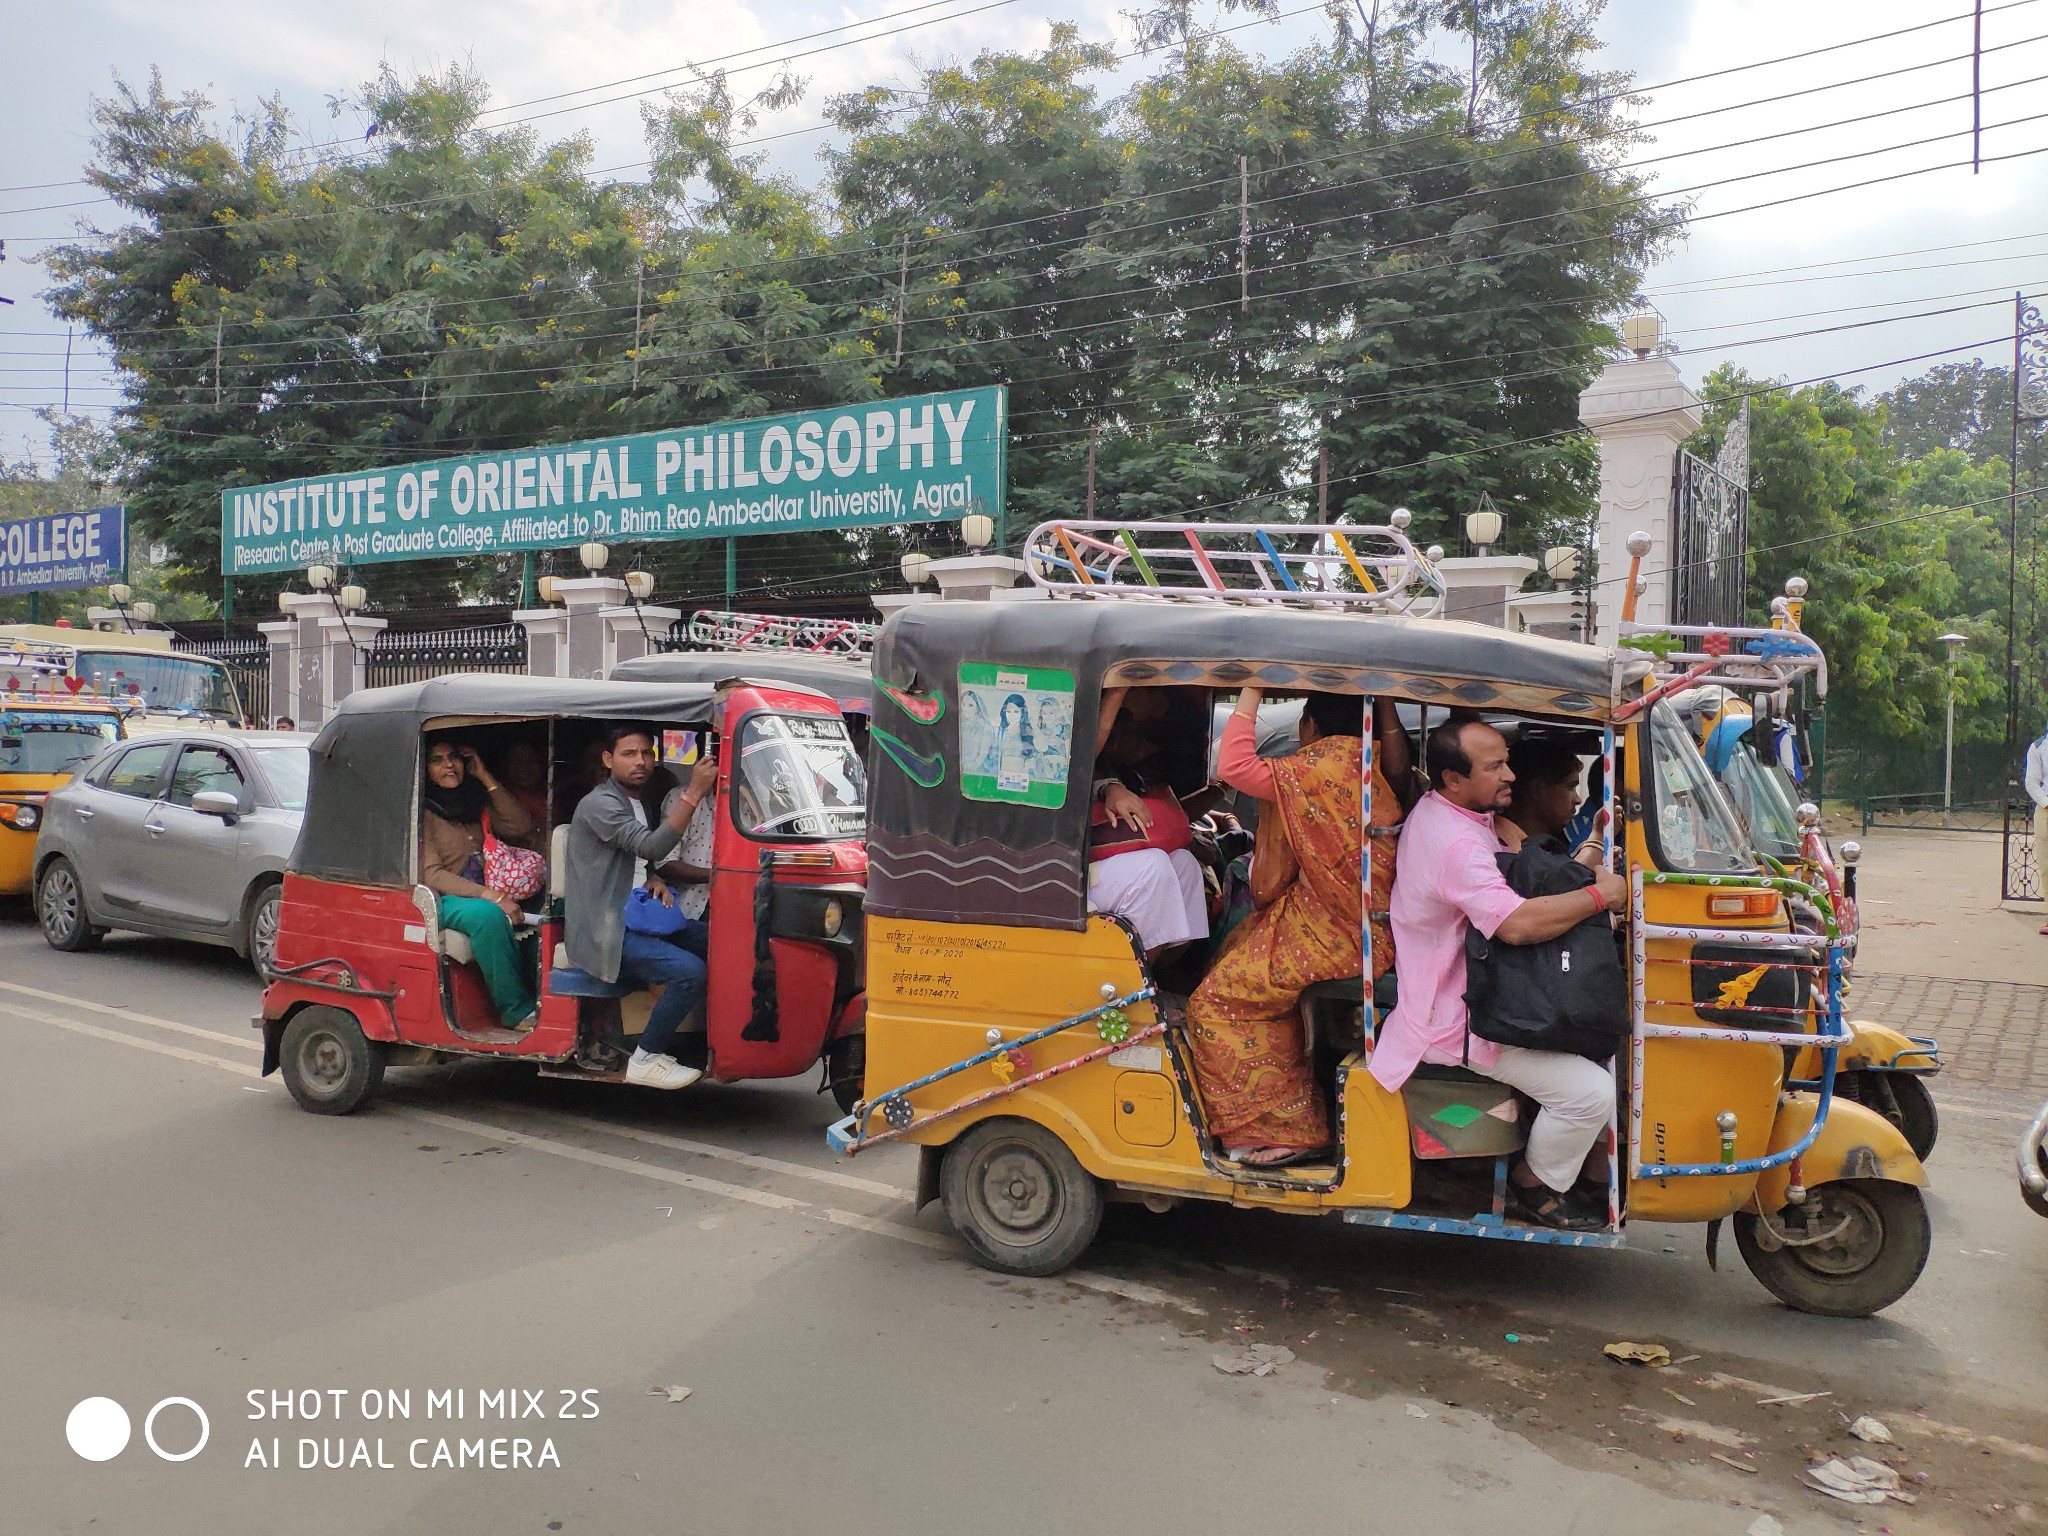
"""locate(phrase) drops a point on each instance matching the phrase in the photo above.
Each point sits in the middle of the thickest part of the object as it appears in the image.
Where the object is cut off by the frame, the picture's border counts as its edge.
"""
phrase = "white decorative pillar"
(547, 640)
(975, 577)
(635, 630)
(1477, 587)
(347, 647)
(283, 635)
(1640, 410)
(584, 601)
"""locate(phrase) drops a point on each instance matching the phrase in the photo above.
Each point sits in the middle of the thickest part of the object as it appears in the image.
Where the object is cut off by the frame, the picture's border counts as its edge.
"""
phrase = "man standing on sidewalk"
(612, 845)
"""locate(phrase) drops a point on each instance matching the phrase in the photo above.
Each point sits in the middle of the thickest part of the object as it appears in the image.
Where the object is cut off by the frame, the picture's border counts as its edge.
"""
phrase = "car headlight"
(835, 915)
(27, 817)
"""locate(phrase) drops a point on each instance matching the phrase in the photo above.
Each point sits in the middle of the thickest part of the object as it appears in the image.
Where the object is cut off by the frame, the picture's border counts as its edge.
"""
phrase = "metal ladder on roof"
(720, 630)
(1335, 567)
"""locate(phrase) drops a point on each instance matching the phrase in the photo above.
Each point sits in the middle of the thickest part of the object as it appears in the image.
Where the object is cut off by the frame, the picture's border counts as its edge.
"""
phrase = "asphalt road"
(173, 1226)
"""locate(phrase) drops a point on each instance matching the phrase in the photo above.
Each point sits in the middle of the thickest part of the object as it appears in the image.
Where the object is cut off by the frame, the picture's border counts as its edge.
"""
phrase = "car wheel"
(260, 930)
(60, 907)
(328, 1064)
(1018, 1197)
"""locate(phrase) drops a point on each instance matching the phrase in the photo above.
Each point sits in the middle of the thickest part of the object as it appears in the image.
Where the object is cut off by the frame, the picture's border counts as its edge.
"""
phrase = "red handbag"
(516, 872)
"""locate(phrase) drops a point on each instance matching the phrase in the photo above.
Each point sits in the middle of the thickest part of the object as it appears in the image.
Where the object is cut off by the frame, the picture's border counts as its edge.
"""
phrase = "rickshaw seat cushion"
(567, 981)
(456, 947)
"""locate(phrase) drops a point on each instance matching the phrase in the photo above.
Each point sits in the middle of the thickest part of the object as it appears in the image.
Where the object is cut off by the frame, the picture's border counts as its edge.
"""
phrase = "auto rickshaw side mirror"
(218, 802)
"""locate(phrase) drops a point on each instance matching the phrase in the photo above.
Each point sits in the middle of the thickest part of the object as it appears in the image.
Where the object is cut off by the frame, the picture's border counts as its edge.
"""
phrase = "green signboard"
(920, 459)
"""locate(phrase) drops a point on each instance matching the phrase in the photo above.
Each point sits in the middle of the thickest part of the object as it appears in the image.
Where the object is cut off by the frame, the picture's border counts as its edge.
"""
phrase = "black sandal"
(1547, 1208)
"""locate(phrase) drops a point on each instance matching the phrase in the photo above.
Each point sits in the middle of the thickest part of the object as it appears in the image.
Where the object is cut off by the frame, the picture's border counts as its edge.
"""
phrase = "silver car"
(184, 834)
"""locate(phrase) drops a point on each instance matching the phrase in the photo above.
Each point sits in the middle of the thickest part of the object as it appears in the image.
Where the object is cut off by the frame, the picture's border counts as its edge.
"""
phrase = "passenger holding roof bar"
(1244, 1023)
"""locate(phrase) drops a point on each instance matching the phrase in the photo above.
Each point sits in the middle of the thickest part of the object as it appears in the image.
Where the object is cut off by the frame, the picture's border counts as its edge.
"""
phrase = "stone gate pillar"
(1640, 410)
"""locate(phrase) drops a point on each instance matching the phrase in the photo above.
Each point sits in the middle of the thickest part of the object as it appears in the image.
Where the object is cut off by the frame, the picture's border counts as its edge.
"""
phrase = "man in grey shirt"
(612, 847)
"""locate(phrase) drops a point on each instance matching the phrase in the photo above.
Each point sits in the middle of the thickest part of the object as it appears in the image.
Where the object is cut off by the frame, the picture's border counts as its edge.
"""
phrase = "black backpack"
(1564, 994)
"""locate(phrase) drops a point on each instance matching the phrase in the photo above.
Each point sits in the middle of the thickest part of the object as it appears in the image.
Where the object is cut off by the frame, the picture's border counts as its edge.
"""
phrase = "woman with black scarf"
(456, 792)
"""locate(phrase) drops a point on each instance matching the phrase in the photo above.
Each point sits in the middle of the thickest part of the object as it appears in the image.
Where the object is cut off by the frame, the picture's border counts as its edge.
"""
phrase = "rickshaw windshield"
(1695, 830)
(52, 743)
(1758, 794)
(798, 776)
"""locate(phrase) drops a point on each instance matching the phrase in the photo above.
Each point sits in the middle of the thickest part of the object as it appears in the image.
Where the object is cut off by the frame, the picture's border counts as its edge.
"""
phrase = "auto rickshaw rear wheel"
(1019, 1198)
(846, 1062)
(329, 1065)
(1874, 1239)
(60, 908)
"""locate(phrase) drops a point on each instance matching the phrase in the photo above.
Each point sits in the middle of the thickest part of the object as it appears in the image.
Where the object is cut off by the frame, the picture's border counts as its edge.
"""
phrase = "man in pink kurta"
(1447, 877)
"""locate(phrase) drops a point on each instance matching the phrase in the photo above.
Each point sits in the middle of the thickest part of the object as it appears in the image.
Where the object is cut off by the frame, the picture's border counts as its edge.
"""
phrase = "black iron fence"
(413, 656)
(247, 659)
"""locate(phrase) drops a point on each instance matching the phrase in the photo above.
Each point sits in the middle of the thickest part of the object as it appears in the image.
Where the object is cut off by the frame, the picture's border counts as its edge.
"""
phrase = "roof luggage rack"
(718, 630)
(1359, 567)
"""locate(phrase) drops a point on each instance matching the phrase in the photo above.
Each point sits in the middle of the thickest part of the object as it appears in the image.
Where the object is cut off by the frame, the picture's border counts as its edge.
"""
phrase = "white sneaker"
(659, 1071)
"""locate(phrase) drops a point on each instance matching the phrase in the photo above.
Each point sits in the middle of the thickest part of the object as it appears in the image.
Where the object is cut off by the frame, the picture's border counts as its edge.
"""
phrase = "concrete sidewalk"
(1940, 955)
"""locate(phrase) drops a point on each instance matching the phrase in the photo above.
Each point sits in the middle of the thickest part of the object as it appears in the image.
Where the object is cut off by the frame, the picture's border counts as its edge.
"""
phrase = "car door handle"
(155, 828)
(82, 813)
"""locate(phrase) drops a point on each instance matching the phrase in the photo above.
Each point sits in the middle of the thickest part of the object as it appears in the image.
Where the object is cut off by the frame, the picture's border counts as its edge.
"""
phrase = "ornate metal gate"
(1709, 543)
(415, 655)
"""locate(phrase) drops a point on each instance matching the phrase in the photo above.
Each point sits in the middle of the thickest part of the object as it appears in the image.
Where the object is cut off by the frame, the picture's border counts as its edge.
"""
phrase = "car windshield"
(52, 743)
(191, 684)
(798, 776)
(286, 769)
(1696, 831)
(1757, 791)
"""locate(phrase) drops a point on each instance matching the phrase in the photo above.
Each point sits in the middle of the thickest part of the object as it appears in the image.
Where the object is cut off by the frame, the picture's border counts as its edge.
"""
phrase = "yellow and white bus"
(170, 689)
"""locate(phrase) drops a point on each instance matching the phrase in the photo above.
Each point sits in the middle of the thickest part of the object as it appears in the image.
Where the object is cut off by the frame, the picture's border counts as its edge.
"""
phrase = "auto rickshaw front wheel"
(328, 1064)
(1857, 1248)
(1019, 1198)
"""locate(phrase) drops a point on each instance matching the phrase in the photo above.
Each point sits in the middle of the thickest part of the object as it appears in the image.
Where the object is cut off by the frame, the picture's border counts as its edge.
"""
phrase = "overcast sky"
(1854, 268)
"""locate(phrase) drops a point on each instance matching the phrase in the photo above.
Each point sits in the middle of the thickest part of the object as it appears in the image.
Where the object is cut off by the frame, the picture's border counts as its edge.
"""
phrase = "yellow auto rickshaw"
(47, 732)
(1745, 705)
(1012, 1032)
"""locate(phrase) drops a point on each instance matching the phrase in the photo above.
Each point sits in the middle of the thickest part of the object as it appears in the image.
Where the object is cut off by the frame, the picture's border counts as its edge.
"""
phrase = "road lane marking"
(617, 1164)
(893, 1229)
(726, 1154)
(130, 1015)
(240, 1068)
(1131, 1290)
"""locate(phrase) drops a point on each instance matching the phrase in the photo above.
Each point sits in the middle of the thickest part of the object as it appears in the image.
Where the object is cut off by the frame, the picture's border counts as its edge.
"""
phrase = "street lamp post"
(1955, 643)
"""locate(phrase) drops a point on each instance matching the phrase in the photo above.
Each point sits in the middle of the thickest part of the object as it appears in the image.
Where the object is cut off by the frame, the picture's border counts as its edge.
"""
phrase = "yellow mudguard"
(1856, 1143)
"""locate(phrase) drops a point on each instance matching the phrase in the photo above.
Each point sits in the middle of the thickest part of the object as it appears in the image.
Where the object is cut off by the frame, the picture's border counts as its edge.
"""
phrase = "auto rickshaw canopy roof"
(971, 818)
(848, 684)
(362, 820)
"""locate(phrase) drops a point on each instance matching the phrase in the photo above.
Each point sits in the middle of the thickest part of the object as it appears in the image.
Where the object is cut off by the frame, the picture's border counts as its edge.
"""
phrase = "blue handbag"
(650, 915)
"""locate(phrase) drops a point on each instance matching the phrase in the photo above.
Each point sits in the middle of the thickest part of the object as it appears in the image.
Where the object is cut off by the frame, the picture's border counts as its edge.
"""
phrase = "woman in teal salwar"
(455, 795)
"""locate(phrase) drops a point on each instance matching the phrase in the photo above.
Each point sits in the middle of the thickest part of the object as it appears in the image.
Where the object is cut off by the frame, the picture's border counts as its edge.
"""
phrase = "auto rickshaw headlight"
(834, 916)
(26, 817)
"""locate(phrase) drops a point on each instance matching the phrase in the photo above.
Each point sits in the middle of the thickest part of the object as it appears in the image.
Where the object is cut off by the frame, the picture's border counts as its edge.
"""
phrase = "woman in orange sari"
(1244, 1023)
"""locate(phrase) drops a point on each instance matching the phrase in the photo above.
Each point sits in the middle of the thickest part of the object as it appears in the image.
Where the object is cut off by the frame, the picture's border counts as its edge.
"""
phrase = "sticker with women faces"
(1016, 733)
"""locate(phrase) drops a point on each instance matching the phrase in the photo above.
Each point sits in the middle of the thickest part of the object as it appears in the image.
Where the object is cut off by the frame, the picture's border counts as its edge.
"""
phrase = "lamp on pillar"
(639, 588)
(1561, 564)
(916, 566)
(319, 577)
(977, 529)
(145, 610)
(120, 594)
(544, 589)
(594, 556)
(1641, 332)
(1483, 525)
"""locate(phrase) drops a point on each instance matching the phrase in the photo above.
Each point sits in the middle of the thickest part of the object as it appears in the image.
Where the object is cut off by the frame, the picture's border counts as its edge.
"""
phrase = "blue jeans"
(677, 963)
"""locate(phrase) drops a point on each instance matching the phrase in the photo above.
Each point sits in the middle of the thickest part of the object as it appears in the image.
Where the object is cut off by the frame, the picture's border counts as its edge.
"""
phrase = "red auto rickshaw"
(366, 977)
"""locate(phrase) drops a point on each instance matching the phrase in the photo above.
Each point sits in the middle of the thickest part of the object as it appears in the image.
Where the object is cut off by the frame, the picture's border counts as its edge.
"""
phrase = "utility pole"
(218, 321)
(639, 295)
(902, 282)
(1092, 429)
(1244, 236)
(68, 332)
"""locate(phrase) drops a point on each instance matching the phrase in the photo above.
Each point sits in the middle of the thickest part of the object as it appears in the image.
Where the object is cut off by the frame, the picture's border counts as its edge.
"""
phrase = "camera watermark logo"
(99, 1429)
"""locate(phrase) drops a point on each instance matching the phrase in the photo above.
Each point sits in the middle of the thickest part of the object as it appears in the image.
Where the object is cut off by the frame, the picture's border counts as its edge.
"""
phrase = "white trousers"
(1159, 894)
(1574, 1097)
